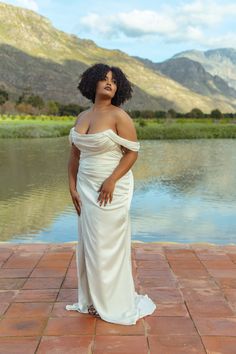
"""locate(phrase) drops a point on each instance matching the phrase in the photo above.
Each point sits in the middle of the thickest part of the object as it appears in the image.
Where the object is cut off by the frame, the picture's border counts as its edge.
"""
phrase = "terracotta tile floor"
(193, 285)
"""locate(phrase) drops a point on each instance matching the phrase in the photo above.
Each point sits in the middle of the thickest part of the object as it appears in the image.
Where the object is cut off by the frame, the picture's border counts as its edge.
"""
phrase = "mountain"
(221, 62)
(35, 54)
(192, 75)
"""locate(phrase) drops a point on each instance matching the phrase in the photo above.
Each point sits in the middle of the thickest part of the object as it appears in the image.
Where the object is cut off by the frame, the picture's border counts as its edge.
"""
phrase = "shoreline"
(132, 241)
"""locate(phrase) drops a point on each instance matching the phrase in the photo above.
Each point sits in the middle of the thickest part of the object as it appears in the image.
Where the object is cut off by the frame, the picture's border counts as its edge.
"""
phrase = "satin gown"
(103, 253)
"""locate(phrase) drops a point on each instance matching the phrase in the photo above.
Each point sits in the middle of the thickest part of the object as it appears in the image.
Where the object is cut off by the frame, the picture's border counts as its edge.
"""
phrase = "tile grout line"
(210, 276)
(186, 304)
(94, 338)
(146, 335)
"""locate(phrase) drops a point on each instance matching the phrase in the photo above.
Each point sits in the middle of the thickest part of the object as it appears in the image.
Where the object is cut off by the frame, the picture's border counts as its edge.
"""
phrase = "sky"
(152, 29)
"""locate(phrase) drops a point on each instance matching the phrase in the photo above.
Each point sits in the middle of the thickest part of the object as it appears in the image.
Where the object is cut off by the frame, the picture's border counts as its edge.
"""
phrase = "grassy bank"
(43, 127)
(187, 131)
(34, 129)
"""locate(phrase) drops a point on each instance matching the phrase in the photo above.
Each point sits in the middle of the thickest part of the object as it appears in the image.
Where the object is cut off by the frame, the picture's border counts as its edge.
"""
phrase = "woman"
(104, 147)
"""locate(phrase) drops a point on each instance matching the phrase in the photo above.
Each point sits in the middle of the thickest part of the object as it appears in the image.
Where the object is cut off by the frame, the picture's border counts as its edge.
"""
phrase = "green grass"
(44, 126)
(186, 131)
(35, 127)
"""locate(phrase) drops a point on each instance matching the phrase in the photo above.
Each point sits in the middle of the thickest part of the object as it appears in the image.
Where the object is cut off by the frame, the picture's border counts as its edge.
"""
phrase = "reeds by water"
(51, 126)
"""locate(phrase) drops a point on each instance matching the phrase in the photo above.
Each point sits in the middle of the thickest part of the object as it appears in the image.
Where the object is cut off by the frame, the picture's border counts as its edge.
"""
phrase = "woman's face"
(107, 86)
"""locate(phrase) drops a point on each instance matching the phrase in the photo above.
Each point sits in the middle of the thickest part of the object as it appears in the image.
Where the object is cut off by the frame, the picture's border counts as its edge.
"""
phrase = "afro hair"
(90, 77)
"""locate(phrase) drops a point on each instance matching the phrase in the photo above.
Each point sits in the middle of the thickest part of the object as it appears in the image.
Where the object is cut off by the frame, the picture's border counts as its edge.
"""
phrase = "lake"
(185, 191)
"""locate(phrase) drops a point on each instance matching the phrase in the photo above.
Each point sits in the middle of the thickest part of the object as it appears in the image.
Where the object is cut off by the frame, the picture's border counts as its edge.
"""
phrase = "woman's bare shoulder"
(125, 125)
(122, 117)
(81, 116)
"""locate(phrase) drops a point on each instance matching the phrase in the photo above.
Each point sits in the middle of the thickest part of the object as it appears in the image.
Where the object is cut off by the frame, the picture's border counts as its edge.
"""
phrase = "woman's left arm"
(126, 129)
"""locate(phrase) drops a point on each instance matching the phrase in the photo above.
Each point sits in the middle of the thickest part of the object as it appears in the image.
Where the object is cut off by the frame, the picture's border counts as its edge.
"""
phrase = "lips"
(107, 88)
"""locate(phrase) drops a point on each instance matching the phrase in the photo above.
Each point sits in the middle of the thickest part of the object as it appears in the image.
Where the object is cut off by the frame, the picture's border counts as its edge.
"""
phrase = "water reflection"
(184, 191)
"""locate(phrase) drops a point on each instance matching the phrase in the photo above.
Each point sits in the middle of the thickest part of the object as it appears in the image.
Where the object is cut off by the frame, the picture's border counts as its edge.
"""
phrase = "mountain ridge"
(192, 75)
(220, 61)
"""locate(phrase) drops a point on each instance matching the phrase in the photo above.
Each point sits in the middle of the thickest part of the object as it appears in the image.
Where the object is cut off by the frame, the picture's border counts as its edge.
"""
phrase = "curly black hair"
(90, 77)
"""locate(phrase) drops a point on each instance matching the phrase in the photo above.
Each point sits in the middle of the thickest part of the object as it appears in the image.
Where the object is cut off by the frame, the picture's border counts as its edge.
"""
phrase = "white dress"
(103, 254)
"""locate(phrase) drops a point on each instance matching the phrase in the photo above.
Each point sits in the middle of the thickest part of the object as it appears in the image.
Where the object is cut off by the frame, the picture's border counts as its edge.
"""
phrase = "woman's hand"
(106, 191)
(76, 201)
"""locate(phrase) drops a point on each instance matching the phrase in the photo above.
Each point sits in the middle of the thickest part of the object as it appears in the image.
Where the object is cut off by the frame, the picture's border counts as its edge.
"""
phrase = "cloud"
(132, 24)
(208, 12)
(194, 22)
(27, 4)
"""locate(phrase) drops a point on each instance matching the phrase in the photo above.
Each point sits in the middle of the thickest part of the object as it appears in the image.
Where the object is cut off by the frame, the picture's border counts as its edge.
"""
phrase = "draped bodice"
(100, 152)
(106, 143)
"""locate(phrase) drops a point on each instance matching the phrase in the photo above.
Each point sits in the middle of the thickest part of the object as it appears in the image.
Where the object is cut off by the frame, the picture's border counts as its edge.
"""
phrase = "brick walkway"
(193, 285)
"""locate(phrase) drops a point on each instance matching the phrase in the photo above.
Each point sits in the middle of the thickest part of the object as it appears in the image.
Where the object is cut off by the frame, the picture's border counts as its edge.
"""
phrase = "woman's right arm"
(73, 167)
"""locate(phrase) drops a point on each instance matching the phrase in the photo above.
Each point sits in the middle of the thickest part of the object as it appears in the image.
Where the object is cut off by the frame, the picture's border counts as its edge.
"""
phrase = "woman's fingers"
(77, 207)
(77, 203)
(104, 198)
(101, 197)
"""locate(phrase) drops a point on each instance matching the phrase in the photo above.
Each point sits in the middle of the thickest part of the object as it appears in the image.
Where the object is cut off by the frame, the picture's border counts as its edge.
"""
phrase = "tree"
(24, 96)
(196, 113)
(26, 108)
(8, 108)
(216, 114)
(160, 114)
(52, 108)
(71, 109)
(134, 113)
(35, 101)
(147, 113)
(3, 96)
(171, 113)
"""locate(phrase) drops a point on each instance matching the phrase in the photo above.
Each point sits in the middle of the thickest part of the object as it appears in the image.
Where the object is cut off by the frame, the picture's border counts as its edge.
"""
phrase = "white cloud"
(208, 12)
(146, 22)
(29, 4)
(132, 24)
(96, 24)
(193, 22)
